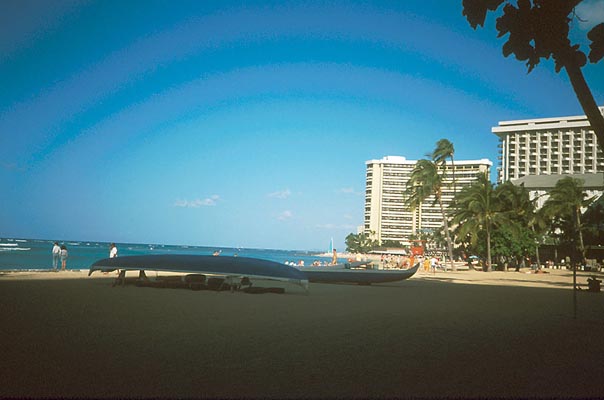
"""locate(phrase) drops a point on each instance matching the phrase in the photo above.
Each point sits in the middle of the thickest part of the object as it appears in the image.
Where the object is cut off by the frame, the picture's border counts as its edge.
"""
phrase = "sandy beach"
(449, 334)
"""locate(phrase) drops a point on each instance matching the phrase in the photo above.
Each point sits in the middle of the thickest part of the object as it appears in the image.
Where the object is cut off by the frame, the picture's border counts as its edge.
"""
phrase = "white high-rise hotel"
(386, 181)
(539, 152)
(534, 152)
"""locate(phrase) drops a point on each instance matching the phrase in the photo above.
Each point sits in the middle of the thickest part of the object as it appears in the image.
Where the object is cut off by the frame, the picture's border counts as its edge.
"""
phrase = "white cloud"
(591, 13)
(207, 202)
(14, 167)
(334, 226)
(281, 194)
(348, 190)
(285, 215)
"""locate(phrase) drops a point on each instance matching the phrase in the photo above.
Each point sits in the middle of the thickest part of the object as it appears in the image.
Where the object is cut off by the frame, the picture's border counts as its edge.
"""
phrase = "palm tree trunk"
(489, 269)
(536, 249)
(447, 234)
(586, 99)
(581, 244)
(453, 176)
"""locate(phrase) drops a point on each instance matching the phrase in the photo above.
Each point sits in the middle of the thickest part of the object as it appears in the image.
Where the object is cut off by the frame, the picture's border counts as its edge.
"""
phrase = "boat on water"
(356, 272)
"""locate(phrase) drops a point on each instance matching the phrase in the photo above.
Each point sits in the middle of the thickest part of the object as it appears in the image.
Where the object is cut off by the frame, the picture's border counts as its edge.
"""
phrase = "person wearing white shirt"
(433, 263)
(56, 254)
(112, 251)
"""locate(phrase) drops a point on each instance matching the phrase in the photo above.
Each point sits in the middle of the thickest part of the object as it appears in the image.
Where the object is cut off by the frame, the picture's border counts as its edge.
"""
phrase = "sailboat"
(330, 251)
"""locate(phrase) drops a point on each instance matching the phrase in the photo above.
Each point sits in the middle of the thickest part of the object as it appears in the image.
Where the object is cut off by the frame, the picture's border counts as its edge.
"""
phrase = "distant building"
(539, 152)
(386, 181)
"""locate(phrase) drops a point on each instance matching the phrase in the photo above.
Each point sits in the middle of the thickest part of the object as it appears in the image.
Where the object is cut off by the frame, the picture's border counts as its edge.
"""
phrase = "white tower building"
(539, 152)
(386, 181)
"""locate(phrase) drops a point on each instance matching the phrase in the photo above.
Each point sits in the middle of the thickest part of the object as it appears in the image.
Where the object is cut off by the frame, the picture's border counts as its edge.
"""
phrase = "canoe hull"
(360, 276)
(198, 264)
(251, 268)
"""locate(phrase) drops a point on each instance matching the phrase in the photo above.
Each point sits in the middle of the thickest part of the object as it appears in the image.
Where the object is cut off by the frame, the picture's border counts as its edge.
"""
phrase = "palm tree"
(477, 208)
(360, 243)
(538, 224)
(564, 203)
(593, 222)
(516, 202)
(424, 182)
(444, 149)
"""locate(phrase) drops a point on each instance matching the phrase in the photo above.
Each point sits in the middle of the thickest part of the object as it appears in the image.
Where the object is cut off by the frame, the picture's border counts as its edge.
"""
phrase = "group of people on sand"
(391, 261)
(60, 253)
(429, 263)
(397, 261)
(316, 263)
(301, 263)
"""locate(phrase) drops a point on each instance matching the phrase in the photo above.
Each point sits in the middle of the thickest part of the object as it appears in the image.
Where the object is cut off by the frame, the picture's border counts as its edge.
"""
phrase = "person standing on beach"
(112, 250)
(56, 254)
(64, 256)
(433, 263)
(113, 253)
(334, 258)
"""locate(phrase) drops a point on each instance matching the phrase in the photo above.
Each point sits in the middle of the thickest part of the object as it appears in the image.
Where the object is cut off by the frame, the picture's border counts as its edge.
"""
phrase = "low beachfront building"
(539, 152)
(386, 215)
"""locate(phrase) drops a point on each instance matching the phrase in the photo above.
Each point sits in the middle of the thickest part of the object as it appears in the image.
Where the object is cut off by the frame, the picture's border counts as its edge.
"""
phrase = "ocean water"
(35, 254)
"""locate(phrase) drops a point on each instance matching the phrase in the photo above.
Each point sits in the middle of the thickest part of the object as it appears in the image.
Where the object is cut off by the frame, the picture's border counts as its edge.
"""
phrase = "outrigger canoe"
(350, 273)
(234, 268)
(229, 267)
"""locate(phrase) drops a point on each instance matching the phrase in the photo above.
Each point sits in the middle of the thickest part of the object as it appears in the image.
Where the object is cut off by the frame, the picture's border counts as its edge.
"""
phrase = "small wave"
(20, 240)
(17, 270)
(14, 248)
(8, 244)
(73, 244)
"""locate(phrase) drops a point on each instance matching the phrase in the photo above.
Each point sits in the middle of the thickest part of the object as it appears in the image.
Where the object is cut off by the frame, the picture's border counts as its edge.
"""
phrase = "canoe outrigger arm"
(231, 280)
(121, 278)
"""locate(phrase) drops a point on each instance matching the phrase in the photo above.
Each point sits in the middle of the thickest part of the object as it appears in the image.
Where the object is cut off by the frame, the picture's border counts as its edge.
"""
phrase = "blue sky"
(242, 123)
